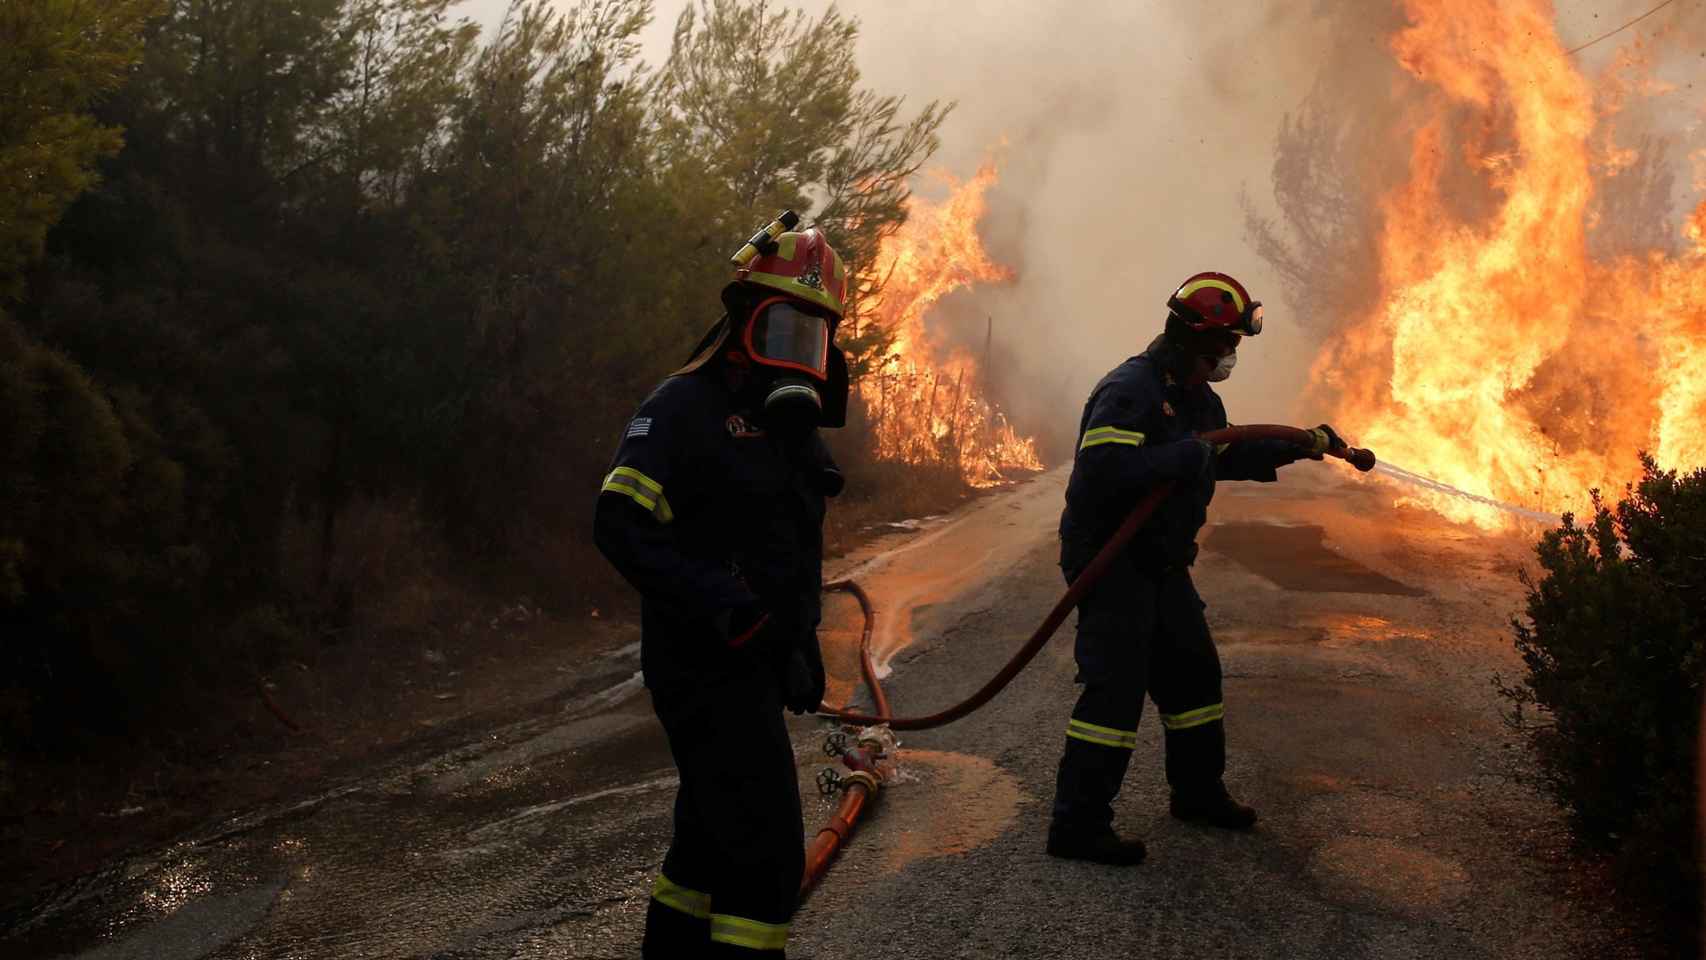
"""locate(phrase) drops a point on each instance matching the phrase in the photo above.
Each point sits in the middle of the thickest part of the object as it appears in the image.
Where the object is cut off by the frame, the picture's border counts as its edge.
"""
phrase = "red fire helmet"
(804, 266)
(1215, 301)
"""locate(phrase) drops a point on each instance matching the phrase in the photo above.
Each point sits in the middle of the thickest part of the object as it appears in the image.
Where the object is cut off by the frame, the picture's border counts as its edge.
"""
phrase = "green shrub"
(1613, 644)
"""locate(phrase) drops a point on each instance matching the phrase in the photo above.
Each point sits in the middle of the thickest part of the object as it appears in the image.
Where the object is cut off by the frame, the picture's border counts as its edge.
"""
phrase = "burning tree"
(1515, 339)
(926, 400)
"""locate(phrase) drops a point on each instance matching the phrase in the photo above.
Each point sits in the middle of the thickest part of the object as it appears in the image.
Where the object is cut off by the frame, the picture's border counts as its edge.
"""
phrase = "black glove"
(803, 679)
(1326, 438)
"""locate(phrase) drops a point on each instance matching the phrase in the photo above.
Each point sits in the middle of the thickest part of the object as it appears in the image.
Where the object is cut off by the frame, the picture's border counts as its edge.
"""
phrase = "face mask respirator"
(1223, 369)
(792, 346)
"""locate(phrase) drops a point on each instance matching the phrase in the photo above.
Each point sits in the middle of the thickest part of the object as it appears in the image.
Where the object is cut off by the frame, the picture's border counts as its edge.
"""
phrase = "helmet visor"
(783, 335)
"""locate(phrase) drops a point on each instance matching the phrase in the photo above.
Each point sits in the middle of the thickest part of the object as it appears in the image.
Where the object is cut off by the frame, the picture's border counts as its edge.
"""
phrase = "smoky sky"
(1125, 133)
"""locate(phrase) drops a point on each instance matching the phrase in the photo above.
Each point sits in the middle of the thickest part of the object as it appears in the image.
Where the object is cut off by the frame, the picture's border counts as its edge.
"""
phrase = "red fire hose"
(865, 779)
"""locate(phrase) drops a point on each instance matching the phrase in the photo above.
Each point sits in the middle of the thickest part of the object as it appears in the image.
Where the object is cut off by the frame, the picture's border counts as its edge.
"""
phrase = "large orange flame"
(926, 400)
(1503, 359)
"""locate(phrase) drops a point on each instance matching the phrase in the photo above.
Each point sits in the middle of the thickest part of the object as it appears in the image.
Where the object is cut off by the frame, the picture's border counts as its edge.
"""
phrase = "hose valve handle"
(828, 781)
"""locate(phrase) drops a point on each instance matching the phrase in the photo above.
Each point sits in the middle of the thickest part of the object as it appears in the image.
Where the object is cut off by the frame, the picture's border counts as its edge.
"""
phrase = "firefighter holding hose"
(713, 509)
(1141, 627)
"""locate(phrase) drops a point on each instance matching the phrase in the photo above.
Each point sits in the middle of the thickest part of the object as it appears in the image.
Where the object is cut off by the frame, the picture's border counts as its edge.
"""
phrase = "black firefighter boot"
(1100, 846)
(1212, 806)
(1088, 781)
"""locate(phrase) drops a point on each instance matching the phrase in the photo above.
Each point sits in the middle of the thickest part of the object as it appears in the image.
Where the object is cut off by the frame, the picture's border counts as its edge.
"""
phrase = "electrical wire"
(1571, 53)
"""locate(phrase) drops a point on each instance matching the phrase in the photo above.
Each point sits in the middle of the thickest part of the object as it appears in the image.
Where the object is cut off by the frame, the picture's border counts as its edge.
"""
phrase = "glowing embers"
(1503, 358)
(926, 401)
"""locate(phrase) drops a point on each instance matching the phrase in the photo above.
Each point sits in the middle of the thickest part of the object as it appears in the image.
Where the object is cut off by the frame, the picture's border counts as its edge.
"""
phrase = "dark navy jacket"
(703, 512)
(1136, 432)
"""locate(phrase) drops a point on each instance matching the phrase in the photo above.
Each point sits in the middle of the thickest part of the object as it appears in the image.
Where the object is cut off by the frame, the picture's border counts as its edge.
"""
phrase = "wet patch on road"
(535, 820)
(906, 580)
(1365, 814)
(843, 626)
(200, 927)
(1296, 558)
(1388, 875)
(1316, 782)
(1331, 630)
(945, 804)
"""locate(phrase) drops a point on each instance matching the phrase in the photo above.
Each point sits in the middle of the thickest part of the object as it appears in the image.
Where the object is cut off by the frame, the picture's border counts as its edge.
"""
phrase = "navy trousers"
(731, 879)
(1139, 633)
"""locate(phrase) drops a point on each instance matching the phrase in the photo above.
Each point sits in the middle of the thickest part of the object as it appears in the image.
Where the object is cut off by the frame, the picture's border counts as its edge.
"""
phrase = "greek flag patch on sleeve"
(639, 427)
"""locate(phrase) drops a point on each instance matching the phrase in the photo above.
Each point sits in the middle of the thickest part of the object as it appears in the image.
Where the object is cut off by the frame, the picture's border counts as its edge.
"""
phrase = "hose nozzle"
(1362, 459)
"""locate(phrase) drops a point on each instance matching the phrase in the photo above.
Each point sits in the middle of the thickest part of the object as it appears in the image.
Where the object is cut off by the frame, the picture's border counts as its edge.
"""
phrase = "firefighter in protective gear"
(713, 509)
(1141, 628)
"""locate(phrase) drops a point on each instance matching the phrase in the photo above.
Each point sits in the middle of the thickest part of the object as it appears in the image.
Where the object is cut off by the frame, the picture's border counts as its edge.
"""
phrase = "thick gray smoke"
(1124, 134)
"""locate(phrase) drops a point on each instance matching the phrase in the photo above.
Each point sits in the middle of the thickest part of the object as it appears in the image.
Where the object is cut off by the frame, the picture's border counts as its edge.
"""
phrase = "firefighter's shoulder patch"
(639, 427)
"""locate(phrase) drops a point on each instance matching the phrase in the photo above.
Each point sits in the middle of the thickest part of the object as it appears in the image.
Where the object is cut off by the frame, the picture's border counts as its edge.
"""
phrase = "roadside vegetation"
(1615, 646)
(319, 320)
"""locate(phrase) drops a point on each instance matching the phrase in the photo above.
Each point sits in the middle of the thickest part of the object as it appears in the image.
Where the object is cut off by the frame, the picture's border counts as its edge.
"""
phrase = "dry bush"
(881, 491)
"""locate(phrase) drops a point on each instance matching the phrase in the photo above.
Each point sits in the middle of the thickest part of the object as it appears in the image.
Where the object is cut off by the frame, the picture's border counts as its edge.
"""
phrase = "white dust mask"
(1223, 369)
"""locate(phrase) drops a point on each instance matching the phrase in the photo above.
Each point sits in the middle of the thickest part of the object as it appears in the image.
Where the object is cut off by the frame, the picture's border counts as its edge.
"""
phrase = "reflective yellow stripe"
(642, 489)
(1110, 435)
(1105, 736)
(1194, 718)
(1190, 288)
(1101, 440)
(1099, 740)
(677, 897)
(645, 481)
(627, 489)
(1221, 448)
(741, 932)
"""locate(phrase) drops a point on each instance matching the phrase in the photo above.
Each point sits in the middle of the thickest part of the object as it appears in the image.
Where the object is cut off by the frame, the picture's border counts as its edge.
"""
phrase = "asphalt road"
(1359, 641)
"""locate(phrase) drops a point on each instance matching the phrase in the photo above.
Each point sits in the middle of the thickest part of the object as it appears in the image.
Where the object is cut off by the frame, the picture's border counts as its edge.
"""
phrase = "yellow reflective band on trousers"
(741, 932)
(1105, 736)
(677, 897)
(1194, 718)
(1102, 435)
(642, 489)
